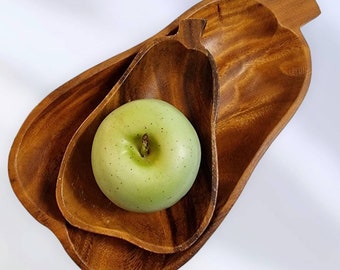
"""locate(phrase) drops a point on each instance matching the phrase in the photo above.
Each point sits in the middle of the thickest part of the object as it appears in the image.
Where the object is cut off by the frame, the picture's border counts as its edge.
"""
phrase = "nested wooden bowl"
(178, 70)
(263, 67)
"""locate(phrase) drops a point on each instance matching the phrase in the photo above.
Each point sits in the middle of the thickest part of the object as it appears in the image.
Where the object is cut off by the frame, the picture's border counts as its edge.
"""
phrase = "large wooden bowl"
(263, 65)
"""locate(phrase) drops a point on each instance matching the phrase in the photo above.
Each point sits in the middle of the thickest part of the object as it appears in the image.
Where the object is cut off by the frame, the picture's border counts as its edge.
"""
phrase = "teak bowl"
(176, 69)
(264, 69)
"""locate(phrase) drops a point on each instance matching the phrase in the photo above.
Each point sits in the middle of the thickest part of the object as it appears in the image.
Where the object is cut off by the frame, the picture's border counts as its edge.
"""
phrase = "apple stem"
(145, 149)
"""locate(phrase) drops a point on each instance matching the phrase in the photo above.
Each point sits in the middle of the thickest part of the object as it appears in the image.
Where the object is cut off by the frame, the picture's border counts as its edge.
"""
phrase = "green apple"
(145, 155)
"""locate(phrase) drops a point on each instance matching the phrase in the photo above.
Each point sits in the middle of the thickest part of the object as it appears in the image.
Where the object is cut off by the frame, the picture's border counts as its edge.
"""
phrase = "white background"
(288, 216)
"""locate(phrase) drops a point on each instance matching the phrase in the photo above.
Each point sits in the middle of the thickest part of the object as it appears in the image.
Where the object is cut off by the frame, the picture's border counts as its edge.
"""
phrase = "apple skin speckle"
(157, 180)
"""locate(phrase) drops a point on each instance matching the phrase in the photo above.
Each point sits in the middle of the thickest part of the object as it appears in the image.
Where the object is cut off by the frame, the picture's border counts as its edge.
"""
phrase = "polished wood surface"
(263, 66)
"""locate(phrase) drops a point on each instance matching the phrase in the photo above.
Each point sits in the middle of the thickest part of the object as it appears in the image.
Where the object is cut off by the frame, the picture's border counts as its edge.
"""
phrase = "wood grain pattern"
(176, 69)
(264, 70)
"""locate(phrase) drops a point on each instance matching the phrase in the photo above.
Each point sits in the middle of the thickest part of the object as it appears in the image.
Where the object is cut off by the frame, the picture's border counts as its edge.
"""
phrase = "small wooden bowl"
(180, 71)
(264, 70)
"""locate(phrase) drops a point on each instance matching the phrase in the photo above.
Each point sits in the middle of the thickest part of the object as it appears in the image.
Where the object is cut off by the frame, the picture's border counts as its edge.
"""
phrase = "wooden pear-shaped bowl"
(176, 69)
(264, 69)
